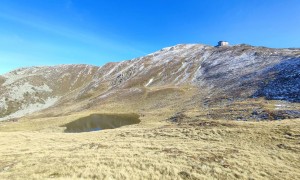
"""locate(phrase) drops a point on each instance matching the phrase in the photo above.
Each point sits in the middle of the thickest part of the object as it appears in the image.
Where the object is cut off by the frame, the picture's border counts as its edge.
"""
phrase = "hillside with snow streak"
(231, 72)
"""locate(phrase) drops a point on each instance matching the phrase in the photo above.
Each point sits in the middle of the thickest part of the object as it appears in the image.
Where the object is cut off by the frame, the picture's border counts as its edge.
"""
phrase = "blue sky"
(50, 32)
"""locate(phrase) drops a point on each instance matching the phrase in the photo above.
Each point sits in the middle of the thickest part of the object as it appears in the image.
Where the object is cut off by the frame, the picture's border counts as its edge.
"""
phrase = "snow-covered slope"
(27, 90)
(240, 71)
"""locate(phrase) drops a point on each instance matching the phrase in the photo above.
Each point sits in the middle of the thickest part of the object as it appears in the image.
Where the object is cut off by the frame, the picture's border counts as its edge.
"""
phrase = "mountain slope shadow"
(282, 82)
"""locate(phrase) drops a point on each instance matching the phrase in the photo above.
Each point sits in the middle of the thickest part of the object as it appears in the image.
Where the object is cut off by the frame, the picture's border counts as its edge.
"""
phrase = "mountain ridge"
(238, 72)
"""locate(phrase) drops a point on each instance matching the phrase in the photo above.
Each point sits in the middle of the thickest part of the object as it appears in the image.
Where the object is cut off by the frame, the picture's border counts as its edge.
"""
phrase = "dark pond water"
(96, 122)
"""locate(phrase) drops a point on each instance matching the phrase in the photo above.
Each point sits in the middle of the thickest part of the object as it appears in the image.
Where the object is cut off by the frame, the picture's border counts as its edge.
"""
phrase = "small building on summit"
(223, 43)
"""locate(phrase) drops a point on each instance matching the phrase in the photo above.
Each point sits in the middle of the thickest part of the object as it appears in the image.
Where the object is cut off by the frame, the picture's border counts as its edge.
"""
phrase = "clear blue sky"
(49, 32)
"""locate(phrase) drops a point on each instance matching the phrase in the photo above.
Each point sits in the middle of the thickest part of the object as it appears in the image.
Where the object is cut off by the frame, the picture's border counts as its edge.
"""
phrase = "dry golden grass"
(154, 149)
(199, 148)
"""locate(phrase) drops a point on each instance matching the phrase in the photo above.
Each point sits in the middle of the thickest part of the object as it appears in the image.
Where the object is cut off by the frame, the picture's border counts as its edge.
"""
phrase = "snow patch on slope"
(11, 78)
(31, 108)
(3, 104)
(149, 82)
(167, 54)
(17, 92)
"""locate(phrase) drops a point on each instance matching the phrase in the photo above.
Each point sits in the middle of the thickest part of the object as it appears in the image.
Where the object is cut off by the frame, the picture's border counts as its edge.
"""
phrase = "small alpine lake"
(96, 122)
